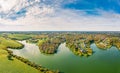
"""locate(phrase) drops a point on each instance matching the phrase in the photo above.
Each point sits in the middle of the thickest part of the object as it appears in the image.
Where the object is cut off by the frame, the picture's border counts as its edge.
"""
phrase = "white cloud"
(6, 5)
(52, 17)
(39, 12)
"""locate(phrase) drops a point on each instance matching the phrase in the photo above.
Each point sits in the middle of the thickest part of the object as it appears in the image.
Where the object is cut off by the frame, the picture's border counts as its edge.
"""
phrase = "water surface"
(102, 61)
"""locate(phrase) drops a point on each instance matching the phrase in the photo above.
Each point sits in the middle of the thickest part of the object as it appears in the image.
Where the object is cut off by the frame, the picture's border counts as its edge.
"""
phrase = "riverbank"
(14, 65)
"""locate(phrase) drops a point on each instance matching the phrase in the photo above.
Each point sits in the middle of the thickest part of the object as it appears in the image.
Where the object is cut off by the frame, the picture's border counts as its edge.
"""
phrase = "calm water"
(102, 61)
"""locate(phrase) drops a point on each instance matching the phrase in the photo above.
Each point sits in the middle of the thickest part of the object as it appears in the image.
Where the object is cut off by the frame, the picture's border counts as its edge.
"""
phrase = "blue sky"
(106, 5)
(57, 15)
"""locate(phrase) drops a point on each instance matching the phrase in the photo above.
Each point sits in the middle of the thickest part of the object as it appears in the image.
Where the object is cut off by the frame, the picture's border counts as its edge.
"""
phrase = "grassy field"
(10, 43)
(13, 66)
(19, 36)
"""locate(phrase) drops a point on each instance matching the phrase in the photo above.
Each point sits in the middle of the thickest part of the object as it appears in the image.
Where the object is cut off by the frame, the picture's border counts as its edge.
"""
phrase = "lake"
(102, 61)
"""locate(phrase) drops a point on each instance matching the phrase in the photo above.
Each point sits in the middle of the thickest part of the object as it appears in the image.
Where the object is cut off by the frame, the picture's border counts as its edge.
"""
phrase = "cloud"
(6, 5)
(44, 15)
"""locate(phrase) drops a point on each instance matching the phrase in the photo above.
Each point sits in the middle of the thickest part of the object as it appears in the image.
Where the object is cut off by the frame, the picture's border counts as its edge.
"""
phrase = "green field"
(19, 36)
(13, 66)
(8, 43)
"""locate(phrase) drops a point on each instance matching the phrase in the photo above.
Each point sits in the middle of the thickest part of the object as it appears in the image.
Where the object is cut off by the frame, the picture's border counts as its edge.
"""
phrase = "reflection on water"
(100, 62)
(28, 51)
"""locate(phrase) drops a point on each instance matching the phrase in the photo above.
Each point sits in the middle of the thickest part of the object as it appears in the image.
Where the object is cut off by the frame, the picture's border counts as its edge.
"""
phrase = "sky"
(59, 15)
